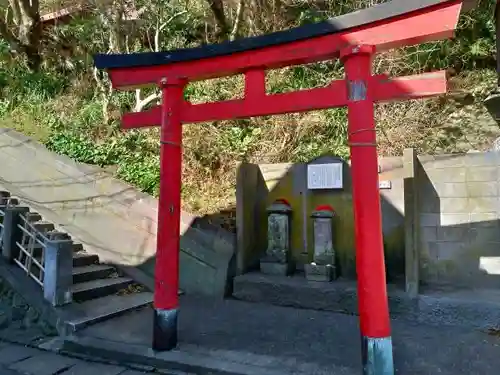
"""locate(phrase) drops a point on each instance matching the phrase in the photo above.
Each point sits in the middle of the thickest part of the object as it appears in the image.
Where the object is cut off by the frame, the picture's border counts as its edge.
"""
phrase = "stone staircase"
(99, 291)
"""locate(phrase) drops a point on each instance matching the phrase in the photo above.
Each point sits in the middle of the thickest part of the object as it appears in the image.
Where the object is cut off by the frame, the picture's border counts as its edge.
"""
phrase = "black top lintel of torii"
(334, 25)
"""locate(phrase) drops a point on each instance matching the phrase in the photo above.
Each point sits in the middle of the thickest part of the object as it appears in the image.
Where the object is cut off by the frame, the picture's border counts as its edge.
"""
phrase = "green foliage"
(18, 84)
(136, 159)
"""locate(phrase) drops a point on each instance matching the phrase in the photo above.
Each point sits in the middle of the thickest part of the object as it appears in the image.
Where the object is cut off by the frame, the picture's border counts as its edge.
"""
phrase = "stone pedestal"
(323, 266)
(277, 259)
(324, 273)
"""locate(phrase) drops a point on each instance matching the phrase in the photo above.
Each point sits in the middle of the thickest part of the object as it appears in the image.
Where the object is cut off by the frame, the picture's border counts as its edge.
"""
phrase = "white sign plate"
(386, 184)
(324, 176)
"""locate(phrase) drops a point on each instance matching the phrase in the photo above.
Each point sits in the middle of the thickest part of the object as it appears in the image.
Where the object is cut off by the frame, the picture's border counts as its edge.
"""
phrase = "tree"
(21, 28)
(226, 30)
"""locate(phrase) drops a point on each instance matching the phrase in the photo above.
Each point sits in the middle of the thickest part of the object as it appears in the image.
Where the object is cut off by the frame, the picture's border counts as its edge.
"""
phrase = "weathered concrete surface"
(246, 338)
(108, 217)
(20, 360)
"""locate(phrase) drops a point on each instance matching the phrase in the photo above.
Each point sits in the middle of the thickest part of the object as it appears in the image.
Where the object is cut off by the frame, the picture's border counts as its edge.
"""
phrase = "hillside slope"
(70, 109)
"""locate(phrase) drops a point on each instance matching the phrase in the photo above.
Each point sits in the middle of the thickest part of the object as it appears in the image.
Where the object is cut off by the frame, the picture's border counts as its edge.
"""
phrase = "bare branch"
(26, 10)
(169, 21)
(16, 11)
(14, 43)
(141, 103)
(239, 18)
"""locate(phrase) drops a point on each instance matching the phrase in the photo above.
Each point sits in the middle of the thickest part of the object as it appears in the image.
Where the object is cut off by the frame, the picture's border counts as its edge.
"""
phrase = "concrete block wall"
(458, 215)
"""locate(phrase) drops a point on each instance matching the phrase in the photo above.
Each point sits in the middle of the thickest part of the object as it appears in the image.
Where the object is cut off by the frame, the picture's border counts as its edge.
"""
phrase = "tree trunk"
(25, 16)
(217, 8)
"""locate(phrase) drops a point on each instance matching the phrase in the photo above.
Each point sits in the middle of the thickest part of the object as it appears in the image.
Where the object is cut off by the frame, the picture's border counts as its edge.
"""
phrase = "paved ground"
(22, 329)
(20, 360)
(318, 342)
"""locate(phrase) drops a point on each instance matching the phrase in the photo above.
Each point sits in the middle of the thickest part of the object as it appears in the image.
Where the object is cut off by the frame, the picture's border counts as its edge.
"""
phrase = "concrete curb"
(176, 359)
(193, 359)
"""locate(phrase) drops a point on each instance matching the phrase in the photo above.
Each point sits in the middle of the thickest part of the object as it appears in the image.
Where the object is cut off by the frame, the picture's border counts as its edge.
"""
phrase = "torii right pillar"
(372, 291)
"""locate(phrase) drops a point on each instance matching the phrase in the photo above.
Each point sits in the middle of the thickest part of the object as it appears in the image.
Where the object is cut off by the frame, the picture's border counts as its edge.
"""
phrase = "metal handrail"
(27, 258)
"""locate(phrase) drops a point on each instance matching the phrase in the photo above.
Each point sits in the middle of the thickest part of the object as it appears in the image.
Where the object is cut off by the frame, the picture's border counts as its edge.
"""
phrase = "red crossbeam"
(334, 95)
(412, 28)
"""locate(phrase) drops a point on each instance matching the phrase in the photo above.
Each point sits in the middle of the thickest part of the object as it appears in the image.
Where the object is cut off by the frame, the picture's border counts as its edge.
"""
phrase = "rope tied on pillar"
(361, 144)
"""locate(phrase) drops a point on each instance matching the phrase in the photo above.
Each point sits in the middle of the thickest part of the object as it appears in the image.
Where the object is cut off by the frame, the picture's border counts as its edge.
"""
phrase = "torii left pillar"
(166, 297)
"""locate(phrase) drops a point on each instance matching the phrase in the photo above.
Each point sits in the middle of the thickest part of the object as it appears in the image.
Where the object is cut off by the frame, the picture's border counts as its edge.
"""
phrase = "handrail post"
(11, 232)
(58, 267)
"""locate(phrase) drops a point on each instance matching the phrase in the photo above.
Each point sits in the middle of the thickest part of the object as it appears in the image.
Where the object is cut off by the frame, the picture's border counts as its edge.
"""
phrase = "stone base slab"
(320, 273)
(278, 269)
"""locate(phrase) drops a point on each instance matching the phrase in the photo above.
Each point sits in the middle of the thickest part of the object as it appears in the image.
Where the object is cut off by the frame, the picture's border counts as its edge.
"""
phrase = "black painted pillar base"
(164, 329)
(377, 356)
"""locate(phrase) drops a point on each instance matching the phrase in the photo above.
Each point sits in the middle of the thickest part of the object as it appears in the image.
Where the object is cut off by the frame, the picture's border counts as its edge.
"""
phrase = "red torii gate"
(355, 38)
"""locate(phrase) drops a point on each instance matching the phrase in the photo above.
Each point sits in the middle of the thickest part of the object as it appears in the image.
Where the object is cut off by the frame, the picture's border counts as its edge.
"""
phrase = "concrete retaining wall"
(458, 216)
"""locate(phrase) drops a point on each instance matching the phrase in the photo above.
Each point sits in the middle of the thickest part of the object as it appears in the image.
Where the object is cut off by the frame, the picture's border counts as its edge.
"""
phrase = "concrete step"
(80, 316)
(81, 259)
(91, 272)
(99, 288)
(77, 247)
(38, 248)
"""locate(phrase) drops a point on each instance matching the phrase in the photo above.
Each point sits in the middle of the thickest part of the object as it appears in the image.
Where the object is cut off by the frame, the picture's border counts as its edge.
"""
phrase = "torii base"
(164, 329)
(377, 356)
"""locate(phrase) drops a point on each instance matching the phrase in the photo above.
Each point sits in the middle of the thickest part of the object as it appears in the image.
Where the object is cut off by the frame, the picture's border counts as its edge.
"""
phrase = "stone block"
(453, 233)
(451, 189)
(429, 220)
(429, 204)
(483, 204)
(279, 269)
(453, 205)
(478, 235)
(446, 219)
(442, 161)
(450, 174)
(425, 252)
(446, 251)
(322, 273)
(482, 159)
(482, 189)
(482, 174)
(429, 233)
(484, 219)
